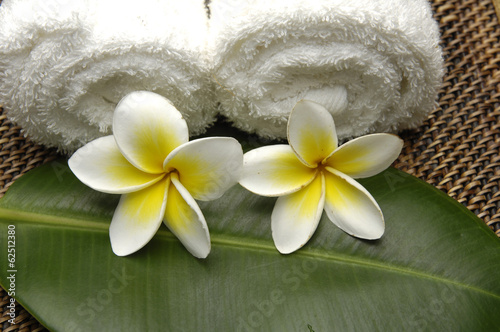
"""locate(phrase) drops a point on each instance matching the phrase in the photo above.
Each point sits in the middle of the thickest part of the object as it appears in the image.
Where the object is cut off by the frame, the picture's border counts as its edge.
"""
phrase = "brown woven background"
(456, 149)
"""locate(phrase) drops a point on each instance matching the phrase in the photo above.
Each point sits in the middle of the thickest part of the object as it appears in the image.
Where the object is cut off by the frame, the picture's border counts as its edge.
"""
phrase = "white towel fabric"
(374, 64)
(64, 64)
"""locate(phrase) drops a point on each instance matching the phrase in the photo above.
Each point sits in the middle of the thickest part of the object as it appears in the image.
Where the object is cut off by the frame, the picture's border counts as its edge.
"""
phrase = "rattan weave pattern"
(18, 154)
(456, 149)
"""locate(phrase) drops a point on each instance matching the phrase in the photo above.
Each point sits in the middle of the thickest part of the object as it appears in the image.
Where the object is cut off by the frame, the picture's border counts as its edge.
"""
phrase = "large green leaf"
(436, 268)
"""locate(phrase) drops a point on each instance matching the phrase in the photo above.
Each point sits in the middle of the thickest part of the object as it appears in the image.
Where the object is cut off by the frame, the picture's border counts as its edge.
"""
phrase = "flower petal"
(207, 167)
(296, 216)
(311, 132)
(351, 207)
(367, 155)
(184, 218)
(147, 127)
(101, 166)
(274, 171)
(137, 218)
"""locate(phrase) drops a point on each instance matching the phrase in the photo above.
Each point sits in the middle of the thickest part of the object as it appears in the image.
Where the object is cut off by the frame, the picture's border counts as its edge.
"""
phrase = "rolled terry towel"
(374, 64)
(65, 64)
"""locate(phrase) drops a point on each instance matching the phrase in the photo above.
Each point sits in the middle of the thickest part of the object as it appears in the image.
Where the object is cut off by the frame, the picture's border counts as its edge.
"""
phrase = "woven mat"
(456, 149)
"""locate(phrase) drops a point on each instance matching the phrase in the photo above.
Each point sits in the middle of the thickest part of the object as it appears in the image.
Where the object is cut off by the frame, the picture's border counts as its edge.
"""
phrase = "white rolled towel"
(374, 64)
(65, 64)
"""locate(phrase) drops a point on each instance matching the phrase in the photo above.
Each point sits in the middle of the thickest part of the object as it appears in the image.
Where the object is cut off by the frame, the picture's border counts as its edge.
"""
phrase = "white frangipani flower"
(150, 161)
(313, 173)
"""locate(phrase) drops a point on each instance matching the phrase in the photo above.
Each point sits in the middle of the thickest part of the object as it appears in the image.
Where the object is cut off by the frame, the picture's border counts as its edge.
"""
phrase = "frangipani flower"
(313, 174)
(149, 160)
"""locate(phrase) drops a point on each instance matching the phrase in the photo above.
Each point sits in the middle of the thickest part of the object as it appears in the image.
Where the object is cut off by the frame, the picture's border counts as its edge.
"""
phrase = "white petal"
(296, 216)
(147, 127)
(367, 155)
(184, 218)
(311, 132)
(101, 166)
(351, 207)
(137, 218)
(274, 171)
(207, 167)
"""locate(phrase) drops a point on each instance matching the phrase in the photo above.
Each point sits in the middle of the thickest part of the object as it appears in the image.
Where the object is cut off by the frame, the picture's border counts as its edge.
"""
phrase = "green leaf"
(437, 267)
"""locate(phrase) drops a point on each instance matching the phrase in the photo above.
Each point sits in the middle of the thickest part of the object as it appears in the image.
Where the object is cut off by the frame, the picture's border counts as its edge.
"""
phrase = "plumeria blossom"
(313, 174)
(159, 172)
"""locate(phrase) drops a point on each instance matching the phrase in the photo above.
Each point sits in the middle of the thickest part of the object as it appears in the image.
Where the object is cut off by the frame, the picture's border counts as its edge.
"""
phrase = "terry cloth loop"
(374, 64)
(65, 64)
